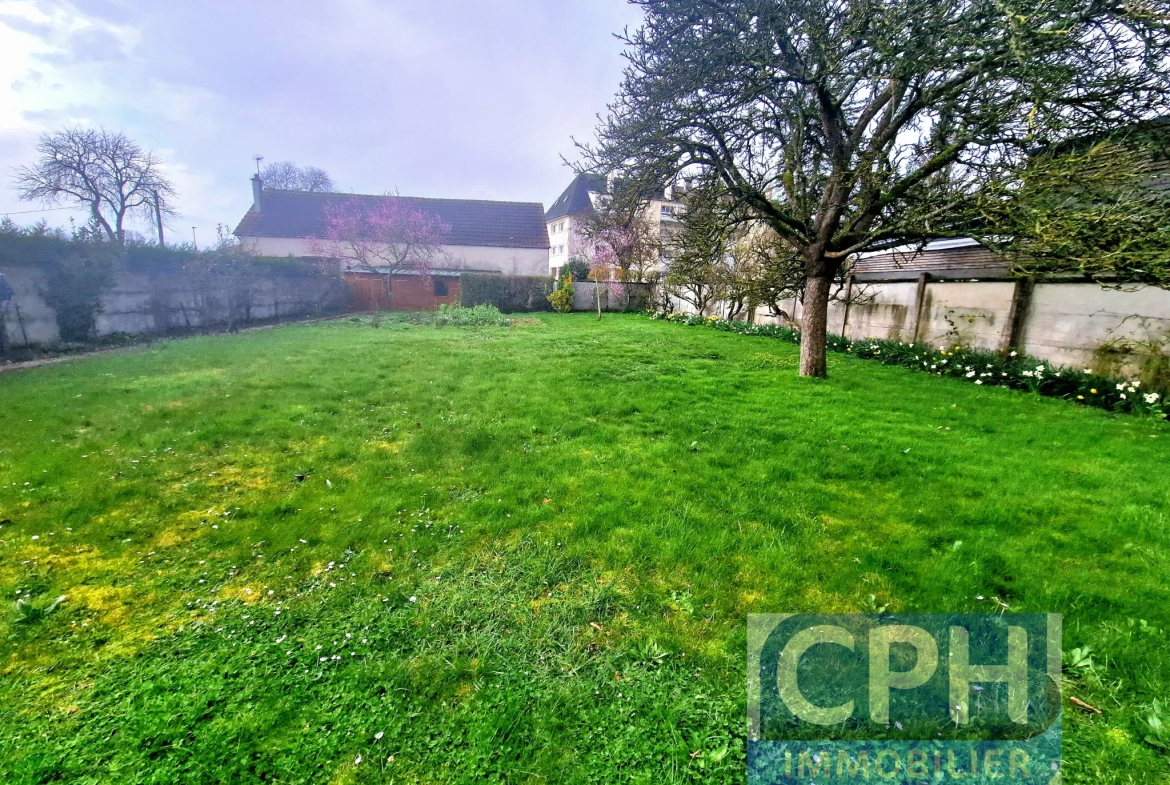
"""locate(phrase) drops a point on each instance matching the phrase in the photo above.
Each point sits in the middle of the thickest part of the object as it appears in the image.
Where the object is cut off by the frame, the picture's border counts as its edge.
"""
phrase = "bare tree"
(287, 176)
(102, 171)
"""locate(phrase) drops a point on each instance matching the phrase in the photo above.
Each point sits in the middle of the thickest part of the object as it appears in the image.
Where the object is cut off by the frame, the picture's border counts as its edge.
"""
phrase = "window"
(440, 288)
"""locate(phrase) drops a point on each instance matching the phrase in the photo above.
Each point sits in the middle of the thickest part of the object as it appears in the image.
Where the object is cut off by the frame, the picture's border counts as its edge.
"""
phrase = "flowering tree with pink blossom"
(385, 235)
(618, 252)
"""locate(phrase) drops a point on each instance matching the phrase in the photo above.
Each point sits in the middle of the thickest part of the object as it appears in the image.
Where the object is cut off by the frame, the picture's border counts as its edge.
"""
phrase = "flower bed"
(978, 366)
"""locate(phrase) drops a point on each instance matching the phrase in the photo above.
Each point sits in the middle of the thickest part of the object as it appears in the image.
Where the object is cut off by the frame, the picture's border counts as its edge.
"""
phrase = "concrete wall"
(967, 313)
(509, 261)
(1120, 326)
(27, 318)
(1070, 324)
(633, 297)
(170, 300)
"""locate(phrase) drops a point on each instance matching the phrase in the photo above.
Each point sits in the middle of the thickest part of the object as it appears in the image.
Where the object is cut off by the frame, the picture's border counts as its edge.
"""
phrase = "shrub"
(476, 316)
(578, 269)
(78, 270)
(980, 367)
(562, 297)
(509, 293)
(74, 284)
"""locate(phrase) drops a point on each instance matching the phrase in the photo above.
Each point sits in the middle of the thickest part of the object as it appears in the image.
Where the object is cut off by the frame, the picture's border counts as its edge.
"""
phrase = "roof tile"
(298, 214)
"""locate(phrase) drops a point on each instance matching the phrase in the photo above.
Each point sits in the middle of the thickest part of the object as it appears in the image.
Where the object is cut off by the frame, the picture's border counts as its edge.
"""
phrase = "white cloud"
(452, 98)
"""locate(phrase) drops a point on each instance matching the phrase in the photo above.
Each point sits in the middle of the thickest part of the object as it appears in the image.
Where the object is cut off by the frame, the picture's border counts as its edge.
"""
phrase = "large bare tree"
(102, 171)
(287, 176)
(847, 124)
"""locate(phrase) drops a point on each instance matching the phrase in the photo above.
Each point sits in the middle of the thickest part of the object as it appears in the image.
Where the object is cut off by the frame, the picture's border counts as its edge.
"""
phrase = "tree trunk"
(814, 327)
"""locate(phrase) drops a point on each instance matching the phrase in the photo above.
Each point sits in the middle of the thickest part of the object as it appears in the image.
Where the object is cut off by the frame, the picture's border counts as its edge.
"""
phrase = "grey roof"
(963, 258)
(575, 200)
(297, 214)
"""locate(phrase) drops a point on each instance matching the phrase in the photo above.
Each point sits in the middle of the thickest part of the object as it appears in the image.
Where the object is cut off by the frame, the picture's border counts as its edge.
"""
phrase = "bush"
(578, 269)
(476, 316)
(980, 367)
(78, 271)
(509, 293)
(562, 297)
(446, 316)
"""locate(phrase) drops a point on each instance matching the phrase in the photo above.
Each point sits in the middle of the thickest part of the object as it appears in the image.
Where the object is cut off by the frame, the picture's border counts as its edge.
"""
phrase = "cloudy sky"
(450, 98)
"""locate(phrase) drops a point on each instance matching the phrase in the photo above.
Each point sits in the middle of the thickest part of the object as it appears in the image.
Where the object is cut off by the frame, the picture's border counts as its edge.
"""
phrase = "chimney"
(257, 191)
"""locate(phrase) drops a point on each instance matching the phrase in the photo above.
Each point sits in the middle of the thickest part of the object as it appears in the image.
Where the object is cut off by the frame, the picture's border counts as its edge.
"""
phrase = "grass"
(526, 554)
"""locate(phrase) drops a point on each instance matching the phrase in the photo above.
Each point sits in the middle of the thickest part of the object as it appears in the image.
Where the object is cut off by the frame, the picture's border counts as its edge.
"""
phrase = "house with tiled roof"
(506, 238)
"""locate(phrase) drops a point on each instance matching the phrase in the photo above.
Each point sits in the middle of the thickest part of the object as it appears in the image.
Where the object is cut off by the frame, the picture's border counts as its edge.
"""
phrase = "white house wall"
(507, 261)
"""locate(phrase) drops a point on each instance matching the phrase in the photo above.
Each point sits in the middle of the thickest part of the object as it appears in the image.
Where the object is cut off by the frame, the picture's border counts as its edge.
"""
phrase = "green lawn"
(527, 554)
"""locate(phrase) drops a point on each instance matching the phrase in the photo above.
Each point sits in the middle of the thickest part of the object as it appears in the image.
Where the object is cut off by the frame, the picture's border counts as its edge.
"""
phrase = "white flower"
(1152, 398)
(378, 736)
(1121, 387)
(1015, 354)
(979, 381)
(1136, 383)
(358, 761)
(970, 374)
(1123, 397)
(414, 599)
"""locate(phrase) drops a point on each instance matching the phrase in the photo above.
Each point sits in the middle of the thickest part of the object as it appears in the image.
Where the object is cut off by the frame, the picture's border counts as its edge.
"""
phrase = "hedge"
(509, 293)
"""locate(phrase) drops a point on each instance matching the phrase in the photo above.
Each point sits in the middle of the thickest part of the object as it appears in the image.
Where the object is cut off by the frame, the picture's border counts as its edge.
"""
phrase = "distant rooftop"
(575, 200)
(296, 214)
